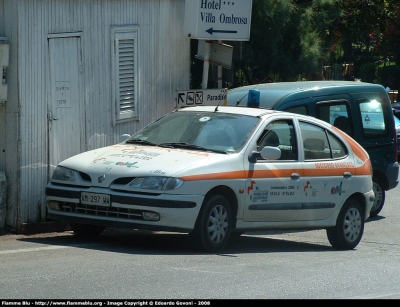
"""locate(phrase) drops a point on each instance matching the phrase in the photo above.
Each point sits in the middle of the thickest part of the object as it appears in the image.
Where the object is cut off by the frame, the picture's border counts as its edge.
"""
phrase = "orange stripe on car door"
(275, 173)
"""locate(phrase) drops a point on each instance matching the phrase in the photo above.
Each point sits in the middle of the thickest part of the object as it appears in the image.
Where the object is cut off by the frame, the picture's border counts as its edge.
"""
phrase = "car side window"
(320, 144)
(338, 149)
(281, 134)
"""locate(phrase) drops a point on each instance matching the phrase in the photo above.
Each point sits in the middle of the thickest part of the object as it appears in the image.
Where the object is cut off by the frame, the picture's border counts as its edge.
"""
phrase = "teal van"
(362, 110)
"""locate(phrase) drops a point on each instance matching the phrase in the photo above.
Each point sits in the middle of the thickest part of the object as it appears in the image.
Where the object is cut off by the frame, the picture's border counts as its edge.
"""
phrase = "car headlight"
(156, 183)
(65, 174)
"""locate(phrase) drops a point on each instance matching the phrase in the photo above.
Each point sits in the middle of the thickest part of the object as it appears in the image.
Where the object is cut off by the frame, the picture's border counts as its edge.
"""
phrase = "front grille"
(122, 213)
(123, 180)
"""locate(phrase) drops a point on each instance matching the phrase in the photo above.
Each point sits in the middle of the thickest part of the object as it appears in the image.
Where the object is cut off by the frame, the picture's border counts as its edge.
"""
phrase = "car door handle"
(347, 175)
(295, 176)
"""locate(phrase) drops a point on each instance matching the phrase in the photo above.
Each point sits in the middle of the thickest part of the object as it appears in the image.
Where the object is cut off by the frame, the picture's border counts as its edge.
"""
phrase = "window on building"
(124, 69)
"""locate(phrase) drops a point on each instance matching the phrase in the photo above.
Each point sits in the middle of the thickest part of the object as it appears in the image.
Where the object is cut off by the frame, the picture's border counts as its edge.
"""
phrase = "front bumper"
(392, 173)
(369, 202)
(176, 212)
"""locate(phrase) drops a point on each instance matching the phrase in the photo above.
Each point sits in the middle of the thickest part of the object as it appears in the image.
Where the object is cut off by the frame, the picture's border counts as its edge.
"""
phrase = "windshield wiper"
(143, 142)
(190, 146)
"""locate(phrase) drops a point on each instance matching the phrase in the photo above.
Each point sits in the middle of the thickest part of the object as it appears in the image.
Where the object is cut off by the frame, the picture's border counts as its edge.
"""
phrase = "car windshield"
(214, 131)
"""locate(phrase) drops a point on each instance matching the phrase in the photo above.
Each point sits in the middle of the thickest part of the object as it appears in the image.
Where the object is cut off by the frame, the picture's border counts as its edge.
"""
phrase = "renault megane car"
(362, 110)
(216, 172)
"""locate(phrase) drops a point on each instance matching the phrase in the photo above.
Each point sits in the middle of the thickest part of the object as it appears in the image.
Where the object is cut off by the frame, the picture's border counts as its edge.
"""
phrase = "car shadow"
(149, 243)
(375, 218)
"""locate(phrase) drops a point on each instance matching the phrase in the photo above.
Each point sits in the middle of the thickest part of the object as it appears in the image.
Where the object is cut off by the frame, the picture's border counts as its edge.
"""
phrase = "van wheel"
(85, 230)
(379, 201)
(213, 225)
(349, 226)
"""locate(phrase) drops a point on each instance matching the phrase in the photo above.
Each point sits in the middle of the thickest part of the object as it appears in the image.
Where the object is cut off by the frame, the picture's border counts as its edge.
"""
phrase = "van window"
(372, 118)
(337, 114)
(298, 110)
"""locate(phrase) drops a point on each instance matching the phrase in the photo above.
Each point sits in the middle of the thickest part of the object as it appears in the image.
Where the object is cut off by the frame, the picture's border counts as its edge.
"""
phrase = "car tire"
(349, 227)
(213, 225)
(85, 230)
(380, 195)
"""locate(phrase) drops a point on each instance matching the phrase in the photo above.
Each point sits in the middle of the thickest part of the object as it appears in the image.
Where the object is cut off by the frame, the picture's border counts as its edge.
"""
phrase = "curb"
(33, 228)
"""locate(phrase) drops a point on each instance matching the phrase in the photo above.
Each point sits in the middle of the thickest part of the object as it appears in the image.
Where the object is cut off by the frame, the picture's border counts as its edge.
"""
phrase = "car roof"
(230, 109)
(272, 93)
(256, 112)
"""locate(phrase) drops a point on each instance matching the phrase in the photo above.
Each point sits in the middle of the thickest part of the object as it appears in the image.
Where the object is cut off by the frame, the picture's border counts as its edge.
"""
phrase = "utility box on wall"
(4, 59)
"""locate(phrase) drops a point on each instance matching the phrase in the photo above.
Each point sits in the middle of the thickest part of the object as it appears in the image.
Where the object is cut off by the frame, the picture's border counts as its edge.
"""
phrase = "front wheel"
(86, 230)
(349, 228)
(213, 225)
(379, 191)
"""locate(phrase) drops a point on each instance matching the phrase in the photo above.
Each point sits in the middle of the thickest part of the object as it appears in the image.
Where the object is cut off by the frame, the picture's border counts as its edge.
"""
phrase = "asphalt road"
(124, 264)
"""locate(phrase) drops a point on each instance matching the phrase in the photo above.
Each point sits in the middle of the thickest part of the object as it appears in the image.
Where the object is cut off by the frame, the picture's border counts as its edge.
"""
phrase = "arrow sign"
(205, 97)
(180, 97)
(212, 19)
(211, 31)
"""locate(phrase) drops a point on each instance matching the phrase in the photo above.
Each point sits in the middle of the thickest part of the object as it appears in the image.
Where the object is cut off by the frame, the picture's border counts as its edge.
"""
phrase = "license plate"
(95, 199)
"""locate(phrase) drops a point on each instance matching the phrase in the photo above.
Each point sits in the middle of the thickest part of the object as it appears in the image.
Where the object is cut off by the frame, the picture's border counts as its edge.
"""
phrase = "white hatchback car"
(214, 172)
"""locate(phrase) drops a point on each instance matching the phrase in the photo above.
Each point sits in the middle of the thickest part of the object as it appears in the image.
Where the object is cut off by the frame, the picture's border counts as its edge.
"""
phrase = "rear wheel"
(379, 191)
(86, 230)
(213, 225)
(349, 227)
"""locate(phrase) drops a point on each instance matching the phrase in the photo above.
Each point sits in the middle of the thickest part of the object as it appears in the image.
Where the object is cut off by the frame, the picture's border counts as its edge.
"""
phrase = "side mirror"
(267, 153)
(124, 137)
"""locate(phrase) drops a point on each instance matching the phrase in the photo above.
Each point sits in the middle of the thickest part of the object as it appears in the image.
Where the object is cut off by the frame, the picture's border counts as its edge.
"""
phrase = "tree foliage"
(292, 40)
(288, 39)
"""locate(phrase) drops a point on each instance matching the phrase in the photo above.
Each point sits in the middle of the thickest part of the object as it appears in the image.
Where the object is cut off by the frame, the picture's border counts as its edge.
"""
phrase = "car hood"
(126, 160)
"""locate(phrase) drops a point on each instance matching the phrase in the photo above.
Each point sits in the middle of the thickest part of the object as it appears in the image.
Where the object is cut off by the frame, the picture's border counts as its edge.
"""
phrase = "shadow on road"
(148, 242)
(375, 219)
